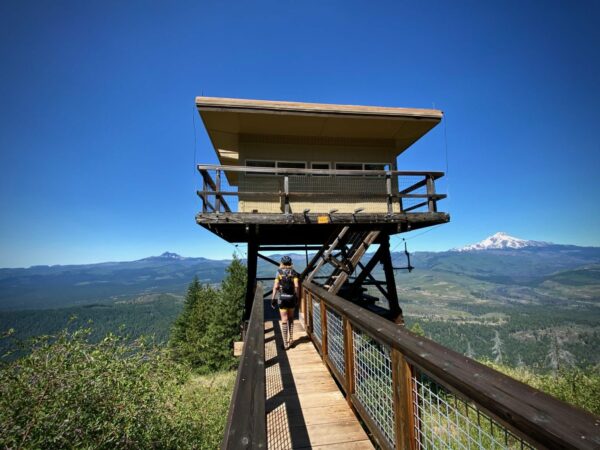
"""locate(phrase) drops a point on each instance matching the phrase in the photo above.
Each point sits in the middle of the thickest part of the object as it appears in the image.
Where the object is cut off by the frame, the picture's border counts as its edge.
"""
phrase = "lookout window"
(321, 166)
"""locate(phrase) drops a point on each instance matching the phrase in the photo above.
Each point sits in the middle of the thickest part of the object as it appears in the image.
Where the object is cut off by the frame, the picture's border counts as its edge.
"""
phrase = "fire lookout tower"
(318, 177)
(324, 178)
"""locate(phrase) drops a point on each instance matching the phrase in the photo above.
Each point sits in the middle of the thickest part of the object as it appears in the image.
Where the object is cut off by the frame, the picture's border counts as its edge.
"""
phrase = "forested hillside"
(531, 299)
(68, 390)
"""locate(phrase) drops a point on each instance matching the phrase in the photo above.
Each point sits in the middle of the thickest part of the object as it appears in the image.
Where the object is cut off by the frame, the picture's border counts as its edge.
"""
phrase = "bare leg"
(291, 326)
(284, 326)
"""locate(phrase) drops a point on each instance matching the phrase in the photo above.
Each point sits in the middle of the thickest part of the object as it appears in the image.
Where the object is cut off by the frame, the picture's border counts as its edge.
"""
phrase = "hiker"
(287, 285)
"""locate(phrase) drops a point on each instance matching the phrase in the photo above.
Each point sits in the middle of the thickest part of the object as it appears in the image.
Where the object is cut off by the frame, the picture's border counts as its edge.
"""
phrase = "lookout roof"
(230, 120)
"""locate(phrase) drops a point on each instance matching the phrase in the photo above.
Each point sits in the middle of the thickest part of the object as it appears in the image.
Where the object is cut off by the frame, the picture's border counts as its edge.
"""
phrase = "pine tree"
(417, 329)
(470, 353)
(497, 348)
(203, 334)
(558, 357)
(226, 316)
(179, 330)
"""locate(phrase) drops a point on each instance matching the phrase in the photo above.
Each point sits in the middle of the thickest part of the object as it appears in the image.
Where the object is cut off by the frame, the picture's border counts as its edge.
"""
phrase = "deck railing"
(246, 422)
(415, 394)
(388, 191)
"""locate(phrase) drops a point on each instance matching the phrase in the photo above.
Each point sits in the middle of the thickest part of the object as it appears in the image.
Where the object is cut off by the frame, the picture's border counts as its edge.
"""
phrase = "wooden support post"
(349, 360)
(392, 298)
(217, 191)
(431, 201)
(388, 188)
(252, 262)
(403, 402)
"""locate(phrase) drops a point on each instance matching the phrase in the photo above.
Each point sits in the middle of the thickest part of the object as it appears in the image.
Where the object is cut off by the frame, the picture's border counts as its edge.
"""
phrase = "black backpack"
(287, 281)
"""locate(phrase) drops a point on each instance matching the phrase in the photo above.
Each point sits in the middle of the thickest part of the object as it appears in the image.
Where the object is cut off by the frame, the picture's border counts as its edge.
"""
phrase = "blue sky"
(97, 127)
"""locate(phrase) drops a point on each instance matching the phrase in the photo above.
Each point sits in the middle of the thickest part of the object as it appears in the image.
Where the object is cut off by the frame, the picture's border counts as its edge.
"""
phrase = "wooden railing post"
(403, 402)
(217, 191)
(309, 307)
(203, 196)
(286, 191)
(323, 329)
(400, 201)
(303, 305)
(349, 360)
(431, 201)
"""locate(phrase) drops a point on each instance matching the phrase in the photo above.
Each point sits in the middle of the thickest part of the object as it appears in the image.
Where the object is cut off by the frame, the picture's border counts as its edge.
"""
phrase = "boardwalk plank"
(305, 408)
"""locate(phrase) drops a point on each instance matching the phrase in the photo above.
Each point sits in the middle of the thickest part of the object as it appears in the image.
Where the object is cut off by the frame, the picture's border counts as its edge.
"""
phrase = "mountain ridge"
(57, 286)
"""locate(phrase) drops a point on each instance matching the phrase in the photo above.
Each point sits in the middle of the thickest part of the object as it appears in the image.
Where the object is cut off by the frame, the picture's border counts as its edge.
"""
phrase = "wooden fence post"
(323, 329)
(431, 202)
(218, 191)
(349, 360)
(403, 402)
(286, 190)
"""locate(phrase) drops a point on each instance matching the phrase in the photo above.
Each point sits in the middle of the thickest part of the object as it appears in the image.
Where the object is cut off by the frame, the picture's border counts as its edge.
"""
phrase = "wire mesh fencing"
(265, 192)
(316, 320)
(373, 382)
(443, 420)
(335, 341)
(410, 393)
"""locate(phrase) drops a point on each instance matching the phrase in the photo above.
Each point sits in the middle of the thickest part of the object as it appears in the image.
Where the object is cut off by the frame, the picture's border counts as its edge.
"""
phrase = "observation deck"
(305, 206)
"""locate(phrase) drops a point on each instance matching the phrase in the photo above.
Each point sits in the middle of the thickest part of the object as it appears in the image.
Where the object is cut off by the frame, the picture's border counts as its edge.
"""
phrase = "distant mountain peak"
(502, 241)
(166, 256)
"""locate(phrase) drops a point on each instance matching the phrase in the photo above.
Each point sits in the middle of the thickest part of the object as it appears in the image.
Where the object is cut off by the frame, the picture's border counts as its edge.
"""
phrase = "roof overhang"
(228, 120)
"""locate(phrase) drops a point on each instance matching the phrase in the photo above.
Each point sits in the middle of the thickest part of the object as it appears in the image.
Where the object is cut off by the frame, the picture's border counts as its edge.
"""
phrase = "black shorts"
(286, 302)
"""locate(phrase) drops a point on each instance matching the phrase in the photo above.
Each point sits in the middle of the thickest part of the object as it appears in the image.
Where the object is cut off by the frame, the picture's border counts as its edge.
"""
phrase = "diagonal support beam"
(358, 253)
(326, 254)
(369, 275)
(266, 258)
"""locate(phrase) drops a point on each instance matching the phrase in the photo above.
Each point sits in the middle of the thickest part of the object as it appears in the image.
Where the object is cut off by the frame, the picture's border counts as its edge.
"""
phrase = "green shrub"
(69, 393)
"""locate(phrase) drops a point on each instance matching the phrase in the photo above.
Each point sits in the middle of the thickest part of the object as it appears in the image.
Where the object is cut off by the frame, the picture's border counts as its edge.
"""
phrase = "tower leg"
(390, 281)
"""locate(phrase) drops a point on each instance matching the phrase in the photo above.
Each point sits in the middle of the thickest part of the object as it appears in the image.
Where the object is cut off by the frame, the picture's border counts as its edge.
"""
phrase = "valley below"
(514, 306)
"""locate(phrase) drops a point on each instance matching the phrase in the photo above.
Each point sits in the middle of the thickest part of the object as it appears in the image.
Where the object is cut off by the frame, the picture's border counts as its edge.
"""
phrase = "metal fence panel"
(443, 420)
(373, 382)
(316, 320)
(335, 341)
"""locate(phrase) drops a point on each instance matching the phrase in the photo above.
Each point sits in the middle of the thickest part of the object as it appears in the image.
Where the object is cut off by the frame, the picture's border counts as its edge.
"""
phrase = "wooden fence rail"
(413, 393)
(246, 422)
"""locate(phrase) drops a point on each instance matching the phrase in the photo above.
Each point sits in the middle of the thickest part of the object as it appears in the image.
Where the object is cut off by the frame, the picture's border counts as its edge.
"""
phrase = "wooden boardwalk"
(304, 407)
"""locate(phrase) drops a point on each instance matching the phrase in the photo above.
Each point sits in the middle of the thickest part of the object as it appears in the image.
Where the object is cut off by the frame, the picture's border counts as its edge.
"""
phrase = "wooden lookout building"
(324, 179)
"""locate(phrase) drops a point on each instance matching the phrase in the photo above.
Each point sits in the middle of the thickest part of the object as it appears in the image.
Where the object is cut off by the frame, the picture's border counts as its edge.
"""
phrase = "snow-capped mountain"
(165, 256)
(501, 241)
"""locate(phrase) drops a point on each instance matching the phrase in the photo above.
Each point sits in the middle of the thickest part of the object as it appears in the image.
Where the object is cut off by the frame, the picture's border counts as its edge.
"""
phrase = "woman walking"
(287, 285)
